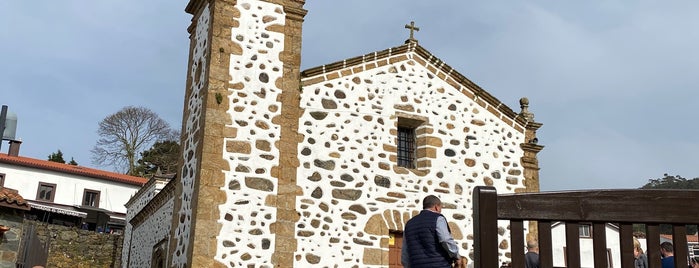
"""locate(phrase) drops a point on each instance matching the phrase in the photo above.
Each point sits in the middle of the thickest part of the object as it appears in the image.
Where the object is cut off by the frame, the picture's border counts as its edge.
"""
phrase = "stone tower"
(242, 84)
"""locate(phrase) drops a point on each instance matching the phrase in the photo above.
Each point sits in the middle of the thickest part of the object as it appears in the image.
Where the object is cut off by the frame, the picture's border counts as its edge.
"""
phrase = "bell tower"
(236, 189)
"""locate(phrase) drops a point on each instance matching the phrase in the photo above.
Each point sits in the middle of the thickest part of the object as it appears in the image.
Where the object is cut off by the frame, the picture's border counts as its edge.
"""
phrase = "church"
(322, 167)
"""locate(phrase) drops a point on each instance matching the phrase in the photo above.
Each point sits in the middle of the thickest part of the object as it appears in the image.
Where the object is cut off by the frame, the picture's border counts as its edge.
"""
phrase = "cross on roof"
(412, 28)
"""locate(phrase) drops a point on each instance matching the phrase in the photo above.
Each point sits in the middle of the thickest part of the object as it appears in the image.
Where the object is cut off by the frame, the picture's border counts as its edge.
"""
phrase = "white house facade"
(70, 195)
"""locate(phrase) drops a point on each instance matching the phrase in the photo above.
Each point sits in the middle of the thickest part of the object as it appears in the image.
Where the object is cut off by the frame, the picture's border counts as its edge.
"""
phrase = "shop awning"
(57, 208)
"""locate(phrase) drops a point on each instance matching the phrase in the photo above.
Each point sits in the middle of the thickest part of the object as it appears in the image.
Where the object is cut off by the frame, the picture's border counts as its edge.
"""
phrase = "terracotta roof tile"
(70, 169)
(11, 198)
(690, 238)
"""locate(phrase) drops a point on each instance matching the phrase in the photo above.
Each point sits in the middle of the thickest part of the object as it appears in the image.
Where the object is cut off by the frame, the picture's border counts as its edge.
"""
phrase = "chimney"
(14, 148)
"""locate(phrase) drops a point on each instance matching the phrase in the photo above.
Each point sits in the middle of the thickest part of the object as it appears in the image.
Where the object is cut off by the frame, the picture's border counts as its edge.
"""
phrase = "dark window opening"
(46, 192)
(585, 231)
(91, 198)
(406, 147)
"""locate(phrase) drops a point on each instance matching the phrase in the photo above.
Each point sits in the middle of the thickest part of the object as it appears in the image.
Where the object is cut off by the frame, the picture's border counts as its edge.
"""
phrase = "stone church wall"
(353, 192)
(246, 216)
(191, 133)
(146, 235)
(266, 182)
(145, 195)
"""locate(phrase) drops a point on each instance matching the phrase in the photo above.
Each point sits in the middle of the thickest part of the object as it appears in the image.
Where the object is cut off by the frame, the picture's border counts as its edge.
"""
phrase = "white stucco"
(190, 144)
(69, 187)
(145, 236)
(558, 242)
(245, 238)
(143, 197)
(353, 136)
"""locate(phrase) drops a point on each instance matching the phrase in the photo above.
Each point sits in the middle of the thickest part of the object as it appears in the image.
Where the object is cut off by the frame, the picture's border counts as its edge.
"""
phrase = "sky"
(613, 82)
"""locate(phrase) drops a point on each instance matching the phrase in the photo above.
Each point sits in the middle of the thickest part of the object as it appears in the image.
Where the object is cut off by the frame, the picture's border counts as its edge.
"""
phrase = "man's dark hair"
(666, 246)
(430, 201)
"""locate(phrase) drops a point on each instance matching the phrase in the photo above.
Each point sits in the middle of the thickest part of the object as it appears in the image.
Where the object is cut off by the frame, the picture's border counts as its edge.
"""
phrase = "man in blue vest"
(427, 240)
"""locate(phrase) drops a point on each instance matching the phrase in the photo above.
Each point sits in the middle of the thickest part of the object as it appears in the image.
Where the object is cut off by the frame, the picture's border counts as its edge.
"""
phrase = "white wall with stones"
(349, 180)
(190, 143)
(149, 233)
(136, 205)
(245, 238)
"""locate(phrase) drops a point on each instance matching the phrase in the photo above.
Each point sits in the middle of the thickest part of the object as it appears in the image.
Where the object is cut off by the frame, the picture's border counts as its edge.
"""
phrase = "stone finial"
(524, 105)
(412, 29)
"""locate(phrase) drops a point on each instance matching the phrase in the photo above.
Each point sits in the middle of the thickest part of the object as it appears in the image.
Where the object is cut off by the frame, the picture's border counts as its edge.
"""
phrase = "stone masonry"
(288, 169)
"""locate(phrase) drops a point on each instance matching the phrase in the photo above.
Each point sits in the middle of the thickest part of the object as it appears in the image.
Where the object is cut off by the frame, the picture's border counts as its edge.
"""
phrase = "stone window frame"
(422, 129)
(406, 146)
(96, 201)
(159, 254)
(47, 185)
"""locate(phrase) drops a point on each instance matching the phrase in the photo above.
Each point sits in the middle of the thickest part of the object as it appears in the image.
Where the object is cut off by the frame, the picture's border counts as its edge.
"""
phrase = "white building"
(558, 244)
(69, 195)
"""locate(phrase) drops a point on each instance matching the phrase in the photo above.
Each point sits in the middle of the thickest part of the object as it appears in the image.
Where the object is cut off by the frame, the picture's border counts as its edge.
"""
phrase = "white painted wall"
(558, 238)
(69, 187)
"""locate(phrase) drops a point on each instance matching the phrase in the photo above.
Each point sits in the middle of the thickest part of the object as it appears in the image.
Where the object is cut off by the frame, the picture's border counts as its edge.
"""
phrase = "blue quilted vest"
(421, 238)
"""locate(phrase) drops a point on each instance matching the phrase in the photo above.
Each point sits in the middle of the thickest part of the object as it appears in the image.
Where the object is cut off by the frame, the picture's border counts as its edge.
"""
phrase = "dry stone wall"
(245, 239)
(71, 247)
(353, 192)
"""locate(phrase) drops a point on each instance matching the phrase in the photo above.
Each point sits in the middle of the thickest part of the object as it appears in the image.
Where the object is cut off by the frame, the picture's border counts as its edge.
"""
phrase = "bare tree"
(126, 133)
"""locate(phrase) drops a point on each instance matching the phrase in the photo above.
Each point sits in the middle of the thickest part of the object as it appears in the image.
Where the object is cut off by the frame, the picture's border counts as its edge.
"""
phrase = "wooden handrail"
(623, 208)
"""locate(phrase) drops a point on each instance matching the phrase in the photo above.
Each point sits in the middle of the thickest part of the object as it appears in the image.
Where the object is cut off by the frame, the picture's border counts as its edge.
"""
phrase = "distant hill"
(671, 182)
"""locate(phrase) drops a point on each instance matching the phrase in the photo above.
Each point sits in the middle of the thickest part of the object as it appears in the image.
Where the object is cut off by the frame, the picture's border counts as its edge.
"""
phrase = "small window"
(91, 198)
(585, 231)
(46, 192)
(2, 179)
(406, 147)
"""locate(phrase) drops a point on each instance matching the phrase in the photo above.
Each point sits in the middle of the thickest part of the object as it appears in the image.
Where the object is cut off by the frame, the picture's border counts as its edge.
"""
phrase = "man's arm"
(445, 238)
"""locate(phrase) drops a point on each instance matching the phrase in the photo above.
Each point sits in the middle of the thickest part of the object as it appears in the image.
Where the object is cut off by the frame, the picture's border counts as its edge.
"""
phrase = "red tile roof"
(70, 169)
(690, 238)
(11, 198)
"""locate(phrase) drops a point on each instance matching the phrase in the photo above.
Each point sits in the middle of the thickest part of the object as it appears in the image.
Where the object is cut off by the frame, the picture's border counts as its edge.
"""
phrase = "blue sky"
(613, 82)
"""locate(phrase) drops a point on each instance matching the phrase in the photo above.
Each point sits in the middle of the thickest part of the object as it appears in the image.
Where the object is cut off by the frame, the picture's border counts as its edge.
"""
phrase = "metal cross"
(412, 28)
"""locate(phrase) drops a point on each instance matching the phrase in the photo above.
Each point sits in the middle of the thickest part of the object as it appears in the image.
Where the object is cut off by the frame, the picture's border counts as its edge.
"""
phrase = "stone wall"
(191, 142)
(10, 240)
(76, 248)
(353, 191)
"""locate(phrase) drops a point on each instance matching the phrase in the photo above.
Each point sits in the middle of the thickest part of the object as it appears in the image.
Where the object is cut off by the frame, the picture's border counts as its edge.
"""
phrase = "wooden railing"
(623, 208)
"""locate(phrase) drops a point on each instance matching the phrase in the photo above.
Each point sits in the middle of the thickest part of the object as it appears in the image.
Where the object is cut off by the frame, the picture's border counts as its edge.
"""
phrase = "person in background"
(640, 258)
(668, 260)
(427, 240)
(531, 259)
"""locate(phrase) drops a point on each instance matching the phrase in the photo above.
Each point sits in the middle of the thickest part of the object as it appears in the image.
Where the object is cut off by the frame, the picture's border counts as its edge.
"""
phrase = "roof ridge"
(71, 169)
